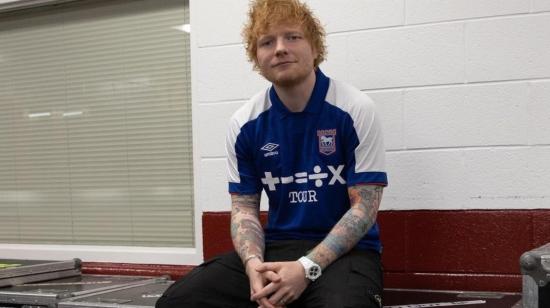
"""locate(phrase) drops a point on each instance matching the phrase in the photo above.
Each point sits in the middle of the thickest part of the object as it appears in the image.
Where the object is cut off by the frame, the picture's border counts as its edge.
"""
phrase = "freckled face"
(284, 55)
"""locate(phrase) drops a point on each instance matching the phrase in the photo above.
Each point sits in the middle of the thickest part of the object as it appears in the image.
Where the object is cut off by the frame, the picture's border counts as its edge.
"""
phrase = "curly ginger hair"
(265, 13)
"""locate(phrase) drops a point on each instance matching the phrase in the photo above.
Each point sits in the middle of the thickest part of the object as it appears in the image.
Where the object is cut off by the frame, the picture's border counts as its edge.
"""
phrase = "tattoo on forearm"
(246, 231)
(356, 222)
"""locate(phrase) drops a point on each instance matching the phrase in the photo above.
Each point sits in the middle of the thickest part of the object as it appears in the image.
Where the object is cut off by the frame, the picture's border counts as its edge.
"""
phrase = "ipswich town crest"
(327, 141)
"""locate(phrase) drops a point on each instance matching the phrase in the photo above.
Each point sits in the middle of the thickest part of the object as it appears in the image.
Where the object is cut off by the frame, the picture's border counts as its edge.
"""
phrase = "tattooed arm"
(248, 239)
(246, 231)
(356, 222)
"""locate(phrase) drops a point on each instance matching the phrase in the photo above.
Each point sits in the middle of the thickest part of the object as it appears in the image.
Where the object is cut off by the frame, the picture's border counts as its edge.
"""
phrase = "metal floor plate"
(403, 298)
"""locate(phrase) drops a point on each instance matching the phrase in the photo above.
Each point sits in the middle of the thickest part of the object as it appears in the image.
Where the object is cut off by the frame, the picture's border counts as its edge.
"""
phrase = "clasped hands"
(275, 284)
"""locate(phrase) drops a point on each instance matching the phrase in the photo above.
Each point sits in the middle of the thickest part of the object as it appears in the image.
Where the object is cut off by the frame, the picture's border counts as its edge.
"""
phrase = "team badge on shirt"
(327, 141)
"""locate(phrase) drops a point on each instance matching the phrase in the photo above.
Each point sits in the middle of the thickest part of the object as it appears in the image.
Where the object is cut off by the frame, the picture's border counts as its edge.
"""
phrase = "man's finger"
(262, 302)
(277, 298)
(272, 276)
(268, 266)
(266, 304)
(255, 288)
(266, 291)
(273, 306)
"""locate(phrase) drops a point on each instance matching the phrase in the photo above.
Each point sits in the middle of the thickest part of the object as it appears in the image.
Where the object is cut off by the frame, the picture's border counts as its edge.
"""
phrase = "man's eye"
(294, 37)
(265, 43)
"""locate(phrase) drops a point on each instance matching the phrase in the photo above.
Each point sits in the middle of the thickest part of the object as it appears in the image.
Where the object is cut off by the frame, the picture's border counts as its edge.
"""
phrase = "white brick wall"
(463, 88)
(212, 126)
(425, 11)
(508, 48)
(465, 116)
(338, 16)
(406, 56)
(218, 22)
(224, 74)
(539, 113)
(540, 5)
(472, 178)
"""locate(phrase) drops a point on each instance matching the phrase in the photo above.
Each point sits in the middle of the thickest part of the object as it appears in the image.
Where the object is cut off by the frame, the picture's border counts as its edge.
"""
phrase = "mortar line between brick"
(483, 147)
(457, 84)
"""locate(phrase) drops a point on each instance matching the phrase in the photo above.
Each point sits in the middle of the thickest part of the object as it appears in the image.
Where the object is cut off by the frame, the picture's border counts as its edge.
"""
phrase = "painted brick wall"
(463, 87)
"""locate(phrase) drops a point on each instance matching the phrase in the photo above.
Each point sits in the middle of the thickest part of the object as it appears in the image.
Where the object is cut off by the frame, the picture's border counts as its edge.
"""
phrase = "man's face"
(284, 55)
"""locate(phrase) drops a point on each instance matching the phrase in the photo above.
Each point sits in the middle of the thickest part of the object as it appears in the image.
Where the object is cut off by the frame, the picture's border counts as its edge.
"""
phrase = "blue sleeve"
(243, 177)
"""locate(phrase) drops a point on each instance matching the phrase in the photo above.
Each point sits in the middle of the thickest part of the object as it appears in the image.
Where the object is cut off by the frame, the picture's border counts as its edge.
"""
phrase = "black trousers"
(352, 281)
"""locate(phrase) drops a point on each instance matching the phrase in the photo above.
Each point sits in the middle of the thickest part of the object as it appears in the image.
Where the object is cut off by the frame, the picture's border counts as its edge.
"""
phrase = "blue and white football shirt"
(306, 160)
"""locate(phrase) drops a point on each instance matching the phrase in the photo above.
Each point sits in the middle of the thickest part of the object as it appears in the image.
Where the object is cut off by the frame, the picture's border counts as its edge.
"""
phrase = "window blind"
(95, 125)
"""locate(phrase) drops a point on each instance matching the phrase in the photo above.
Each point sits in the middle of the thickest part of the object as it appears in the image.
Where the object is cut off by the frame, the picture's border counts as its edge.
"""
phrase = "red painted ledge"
(154, 270)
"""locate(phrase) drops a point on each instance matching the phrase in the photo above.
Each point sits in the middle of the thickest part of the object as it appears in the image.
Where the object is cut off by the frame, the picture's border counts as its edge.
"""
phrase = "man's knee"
(181, 291)
(162, 303)
(175, 296)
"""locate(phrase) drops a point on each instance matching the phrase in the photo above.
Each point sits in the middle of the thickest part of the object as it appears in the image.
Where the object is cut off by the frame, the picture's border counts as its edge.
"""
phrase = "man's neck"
(296, 97)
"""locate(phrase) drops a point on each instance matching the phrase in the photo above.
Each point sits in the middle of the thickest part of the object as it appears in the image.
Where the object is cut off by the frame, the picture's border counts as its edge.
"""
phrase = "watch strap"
(312, 269)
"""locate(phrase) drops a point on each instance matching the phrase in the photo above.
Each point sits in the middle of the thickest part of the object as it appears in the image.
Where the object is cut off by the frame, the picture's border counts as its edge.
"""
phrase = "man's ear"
(315, 53)
(255, 67)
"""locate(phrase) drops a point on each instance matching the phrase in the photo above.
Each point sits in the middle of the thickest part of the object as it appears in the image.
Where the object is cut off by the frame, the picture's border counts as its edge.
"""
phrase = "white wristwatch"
(313, 270)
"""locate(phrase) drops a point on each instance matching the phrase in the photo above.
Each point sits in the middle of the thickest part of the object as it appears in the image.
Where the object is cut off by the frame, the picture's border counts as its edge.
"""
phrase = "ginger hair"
(265, 13)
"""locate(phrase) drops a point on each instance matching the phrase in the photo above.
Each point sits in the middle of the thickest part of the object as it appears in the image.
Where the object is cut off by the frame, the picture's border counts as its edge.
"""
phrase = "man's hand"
(258, 280)
(288, 288)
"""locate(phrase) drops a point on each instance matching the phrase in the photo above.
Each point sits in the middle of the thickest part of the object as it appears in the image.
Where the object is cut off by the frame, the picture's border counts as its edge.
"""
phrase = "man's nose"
(280, 47)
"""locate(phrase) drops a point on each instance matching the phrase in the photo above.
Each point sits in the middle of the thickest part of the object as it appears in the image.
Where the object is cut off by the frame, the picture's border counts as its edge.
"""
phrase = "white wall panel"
(224, 74)
(337, 53)
(424, 180)
(213, 190)
(339, 16)
(424, 11)
(402, 57)
(538, 176)
(498, 178)
(541, 5)
(220, 21)
(213, 120)
(502, 178)
(462, 116)
(508, 48)
(389, 104)
(539, 113)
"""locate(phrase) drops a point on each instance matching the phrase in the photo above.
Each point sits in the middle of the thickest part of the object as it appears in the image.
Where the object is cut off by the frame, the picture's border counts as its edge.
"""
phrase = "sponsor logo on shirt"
(270, 149)
(305, 196)
(327, 141)
(303, 177)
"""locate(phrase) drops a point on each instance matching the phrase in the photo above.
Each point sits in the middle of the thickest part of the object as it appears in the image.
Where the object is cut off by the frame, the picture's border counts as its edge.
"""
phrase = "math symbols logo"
(327, 141)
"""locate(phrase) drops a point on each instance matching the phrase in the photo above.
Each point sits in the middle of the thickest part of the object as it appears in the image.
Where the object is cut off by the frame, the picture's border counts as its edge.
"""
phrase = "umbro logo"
(270, 149)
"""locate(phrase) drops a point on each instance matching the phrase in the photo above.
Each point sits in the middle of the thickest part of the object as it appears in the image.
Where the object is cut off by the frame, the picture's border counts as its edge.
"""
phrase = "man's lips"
(282, 63)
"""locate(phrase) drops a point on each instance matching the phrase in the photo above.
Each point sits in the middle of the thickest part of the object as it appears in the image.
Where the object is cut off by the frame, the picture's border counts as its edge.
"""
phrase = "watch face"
(314, 272)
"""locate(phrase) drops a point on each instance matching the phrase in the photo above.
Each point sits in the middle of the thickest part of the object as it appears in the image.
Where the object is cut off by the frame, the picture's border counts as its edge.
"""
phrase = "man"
(315, 147)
